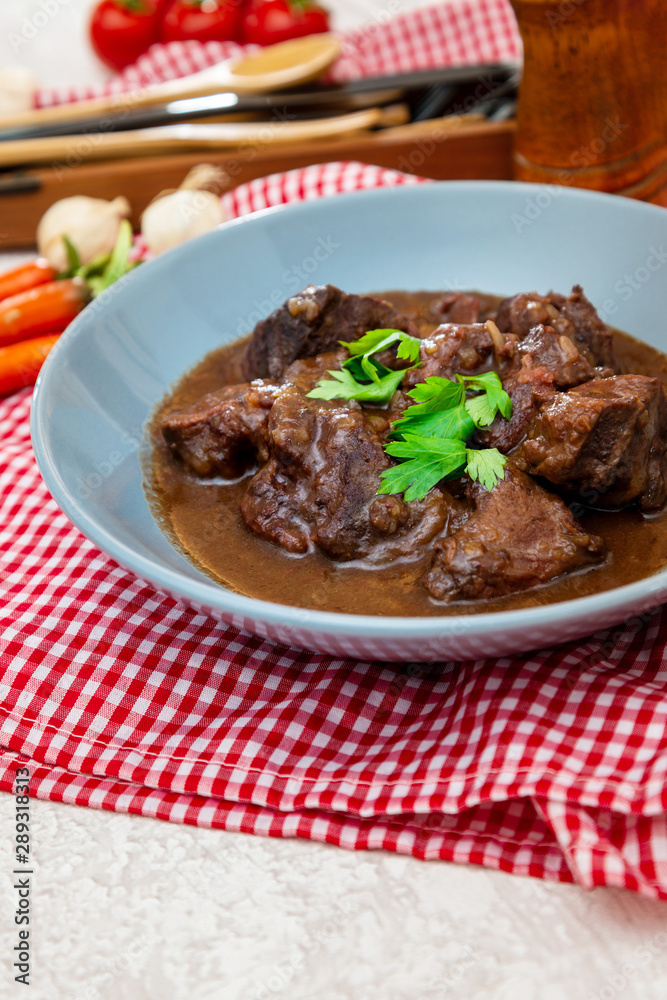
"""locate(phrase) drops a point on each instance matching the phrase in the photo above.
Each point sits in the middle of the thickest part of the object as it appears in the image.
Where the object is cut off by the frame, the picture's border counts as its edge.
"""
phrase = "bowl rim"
(211, 595)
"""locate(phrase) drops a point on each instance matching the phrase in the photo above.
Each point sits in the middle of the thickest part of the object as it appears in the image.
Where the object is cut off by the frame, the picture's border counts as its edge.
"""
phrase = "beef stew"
(274, 493)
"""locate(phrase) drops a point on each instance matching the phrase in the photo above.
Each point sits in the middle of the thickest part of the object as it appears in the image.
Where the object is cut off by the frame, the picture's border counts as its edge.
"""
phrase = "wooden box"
(442, 151)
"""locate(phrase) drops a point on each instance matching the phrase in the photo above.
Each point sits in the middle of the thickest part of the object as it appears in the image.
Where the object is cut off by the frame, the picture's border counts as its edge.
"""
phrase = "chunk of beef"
(314, 321)
(556, 358)
(319, 487)
(518, 536)
(306, 373)
(544, 361)
(574, 317)
(605, 439)
(224, 433)
(580, 322)
(526, 396)
(458, 307)
(520, 313)
(452, 348)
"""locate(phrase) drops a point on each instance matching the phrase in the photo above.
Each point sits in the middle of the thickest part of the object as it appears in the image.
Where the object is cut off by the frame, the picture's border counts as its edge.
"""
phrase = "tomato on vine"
(122, 30)
(266, 22)
(203, 20)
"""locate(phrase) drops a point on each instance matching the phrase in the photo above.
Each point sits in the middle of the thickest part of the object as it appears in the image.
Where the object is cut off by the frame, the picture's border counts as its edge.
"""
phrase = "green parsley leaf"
(497, 399)
(372, 369)
(429, 461)
(368, 343)
(380, 392)
(408, 348)
(486, 466)
(379, 340)
(453, 423)
(343, 385)
(435, 393)
(480, 410)
(356, 367)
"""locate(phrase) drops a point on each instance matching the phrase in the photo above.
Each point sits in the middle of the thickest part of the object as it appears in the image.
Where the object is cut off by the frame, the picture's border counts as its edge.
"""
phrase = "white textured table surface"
(127, 908)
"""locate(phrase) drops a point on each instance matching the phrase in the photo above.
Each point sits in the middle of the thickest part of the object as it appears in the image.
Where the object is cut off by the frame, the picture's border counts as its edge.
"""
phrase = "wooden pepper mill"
(593, 100)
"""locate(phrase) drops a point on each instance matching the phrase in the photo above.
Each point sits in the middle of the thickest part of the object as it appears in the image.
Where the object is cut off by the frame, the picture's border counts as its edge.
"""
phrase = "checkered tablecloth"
(551, 764)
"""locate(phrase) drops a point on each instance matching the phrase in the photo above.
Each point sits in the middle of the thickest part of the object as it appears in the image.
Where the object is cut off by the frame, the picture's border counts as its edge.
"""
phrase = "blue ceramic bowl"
(120, 356)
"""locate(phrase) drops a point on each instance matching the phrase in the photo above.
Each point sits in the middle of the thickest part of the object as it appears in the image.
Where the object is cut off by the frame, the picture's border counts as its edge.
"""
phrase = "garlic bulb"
(90, 224)
(177, 216)
(18, 89)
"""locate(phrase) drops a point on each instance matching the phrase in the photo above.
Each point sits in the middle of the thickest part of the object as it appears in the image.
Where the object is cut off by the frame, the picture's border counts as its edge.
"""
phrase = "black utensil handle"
(355, 95)
(17, 182)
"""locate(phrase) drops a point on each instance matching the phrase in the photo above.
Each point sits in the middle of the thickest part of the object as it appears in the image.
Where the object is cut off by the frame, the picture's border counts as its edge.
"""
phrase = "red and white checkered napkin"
(551, 764)
(452, 33)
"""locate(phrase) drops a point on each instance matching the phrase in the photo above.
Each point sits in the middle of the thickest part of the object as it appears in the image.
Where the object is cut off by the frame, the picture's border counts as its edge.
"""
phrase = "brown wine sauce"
(203, 520)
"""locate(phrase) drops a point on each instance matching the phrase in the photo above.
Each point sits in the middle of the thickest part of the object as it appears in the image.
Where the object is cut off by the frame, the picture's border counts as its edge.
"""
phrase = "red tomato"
(122, 30)
(266, 22)
(204, 20)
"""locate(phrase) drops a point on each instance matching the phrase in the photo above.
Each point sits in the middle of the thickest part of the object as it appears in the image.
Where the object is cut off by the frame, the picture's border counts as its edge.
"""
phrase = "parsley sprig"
(431, 436)
(364, 378)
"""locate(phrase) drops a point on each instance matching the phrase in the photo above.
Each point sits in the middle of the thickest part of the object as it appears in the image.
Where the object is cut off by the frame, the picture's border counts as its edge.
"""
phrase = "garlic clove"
(91, 225)
(180, 216)
(18, 90)
(205, 177)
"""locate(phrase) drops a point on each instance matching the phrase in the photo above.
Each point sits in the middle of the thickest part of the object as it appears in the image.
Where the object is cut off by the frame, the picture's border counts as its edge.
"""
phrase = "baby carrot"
(20, 364)
(41, 310)
(26, 276)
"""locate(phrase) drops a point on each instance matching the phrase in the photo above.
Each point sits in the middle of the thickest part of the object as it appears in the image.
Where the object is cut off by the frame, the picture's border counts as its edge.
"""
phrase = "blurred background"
(60, 53)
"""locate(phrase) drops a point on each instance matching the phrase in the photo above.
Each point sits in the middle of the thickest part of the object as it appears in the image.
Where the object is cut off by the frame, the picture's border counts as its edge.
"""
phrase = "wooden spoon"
(191, 137)
(275, 67)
